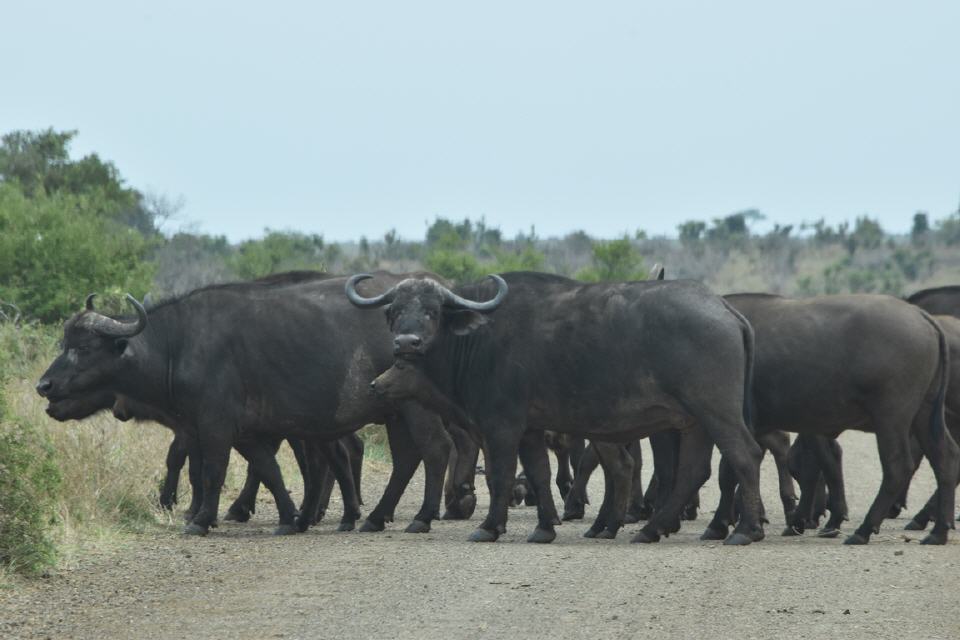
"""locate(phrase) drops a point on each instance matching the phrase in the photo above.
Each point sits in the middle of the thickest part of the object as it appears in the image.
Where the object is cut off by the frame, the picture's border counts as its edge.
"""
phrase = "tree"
(615, 260)
(282, 251)
(55, 249)
(39, 161)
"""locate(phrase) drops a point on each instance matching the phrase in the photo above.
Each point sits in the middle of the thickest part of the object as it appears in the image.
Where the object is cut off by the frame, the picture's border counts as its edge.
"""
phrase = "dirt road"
(241, 582)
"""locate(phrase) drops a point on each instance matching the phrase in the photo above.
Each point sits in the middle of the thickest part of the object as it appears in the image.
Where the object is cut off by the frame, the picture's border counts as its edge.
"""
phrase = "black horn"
(104, 326)
(453, 300)
(350, 288)
(656, 273)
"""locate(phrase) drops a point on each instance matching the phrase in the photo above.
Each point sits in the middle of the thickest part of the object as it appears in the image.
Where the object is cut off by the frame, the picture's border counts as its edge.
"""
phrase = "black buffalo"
(939, 301)
(605, 361)
(242, 365)
(866, 362)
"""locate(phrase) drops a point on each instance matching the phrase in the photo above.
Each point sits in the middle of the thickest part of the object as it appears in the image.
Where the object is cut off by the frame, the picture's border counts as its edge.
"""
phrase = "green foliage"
(948, 230)
(845, 276)
(691, 232)
(615, 260)
(57, 248)
(29, 478)
(867, 234)
(282, 251)
(921, 228)
(39, 161)
(526, 259)
(456, 265)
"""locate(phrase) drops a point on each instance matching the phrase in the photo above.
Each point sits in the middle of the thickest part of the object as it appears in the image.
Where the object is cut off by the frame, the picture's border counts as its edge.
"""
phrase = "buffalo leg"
(830, 460)
(339, 459)
(501, 447)
(176, 458)
(434, 444)
(536, 464)
(216, 455)
(355, 450)
(778, 444)
(262, 458)
(459, 493)
(723, 517)
(635, 508)
(564, 476)
(574, 504)
(617, 466)
(743, 454)
(195, 474)
(893, 445)
(901, 502)
(406, 459)
(694, 463)
(944, 457)
(246, 502)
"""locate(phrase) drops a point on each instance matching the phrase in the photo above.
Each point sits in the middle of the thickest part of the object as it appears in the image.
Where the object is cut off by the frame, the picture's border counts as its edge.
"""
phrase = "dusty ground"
(241, 582)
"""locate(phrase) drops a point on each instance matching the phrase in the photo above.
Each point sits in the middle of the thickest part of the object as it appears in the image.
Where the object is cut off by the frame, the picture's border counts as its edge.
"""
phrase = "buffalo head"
(419, 309)
(81, 379)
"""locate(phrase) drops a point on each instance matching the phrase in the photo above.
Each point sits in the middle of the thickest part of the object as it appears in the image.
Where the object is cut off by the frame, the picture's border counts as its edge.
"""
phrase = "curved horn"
(89, 302)
(350, 288)
(453, 300)
(656, 273)
(108, 327)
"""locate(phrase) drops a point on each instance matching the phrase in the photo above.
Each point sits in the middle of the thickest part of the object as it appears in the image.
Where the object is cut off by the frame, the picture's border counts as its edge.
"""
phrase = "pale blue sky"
(350, 118)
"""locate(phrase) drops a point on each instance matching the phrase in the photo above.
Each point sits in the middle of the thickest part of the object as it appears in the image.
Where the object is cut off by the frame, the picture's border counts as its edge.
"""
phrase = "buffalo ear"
(464, 322)
(122, 345)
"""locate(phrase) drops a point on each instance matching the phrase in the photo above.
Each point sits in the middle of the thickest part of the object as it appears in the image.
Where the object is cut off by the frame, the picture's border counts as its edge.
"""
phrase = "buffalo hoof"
(346, 525)
(237, 514)
(792, 530)
(894, 512)
(193, 529)
(738, 539)
(167, 503)
(467, 505)
(856, 538)
(572, 514)
(370, 526)
(542, 536)
(287, 529)
(689, 513)
(591, 533)
(606, 534)
(418, 526)
(642, 537)
(935, 537)
(913, 525)
(301, 522)
(828, 532)
(710, 533)
(483, 535)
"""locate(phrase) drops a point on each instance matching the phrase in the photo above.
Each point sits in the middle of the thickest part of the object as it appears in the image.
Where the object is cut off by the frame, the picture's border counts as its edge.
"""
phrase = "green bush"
(55, 249)
(614, 261)
(29, 477)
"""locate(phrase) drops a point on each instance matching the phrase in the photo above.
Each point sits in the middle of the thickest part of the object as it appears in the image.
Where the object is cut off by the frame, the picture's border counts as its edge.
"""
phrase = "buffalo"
(605, 361)
(243, 365)
(866, 362)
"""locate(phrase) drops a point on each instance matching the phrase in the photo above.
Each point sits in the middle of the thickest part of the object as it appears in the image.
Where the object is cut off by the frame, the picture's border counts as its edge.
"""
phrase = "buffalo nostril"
(44, 387)
(415, 341)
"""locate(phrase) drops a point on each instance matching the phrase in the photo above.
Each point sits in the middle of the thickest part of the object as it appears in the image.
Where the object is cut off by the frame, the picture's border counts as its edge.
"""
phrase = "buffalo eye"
(120, 345)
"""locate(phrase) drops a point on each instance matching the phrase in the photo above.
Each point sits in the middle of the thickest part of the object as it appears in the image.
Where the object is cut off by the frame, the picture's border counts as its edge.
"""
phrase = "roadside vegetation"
(71, 226)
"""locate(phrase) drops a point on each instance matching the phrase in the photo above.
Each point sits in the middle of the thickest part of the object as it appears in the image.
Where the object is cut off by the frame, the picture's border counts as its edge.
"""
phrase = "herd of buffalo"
(519, 364)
